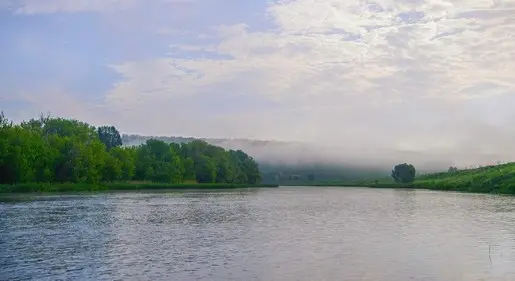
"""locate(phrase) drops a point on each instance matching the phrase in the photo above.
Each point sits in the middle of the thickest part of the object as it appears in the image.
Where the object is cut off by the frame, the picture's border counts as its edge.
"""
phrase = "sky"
(415, 75)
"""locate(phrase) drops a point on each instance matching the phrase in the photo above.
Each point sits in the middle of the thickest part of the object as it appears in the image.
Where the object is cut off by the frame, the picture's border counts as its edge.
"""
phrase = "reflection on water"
(268, 234)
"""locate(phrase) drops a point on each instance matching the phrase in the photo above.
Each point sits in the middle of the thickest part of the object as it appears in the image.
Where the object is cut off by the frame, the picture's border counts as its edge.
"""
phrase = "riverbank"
(497, 179)
(469, 187)
(123, 186)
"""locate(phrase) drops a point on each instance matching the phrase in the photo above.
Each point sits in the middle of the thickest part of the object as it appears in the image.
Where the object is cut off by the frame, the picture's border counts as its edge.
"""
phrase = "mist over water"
(378, 158)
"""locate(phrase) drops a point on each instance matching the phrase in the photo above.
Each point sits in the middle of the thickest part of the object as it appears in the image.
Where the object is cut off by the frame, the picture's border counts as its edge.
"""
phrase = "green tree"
(110, 136)
(4, 122)
(78, 130)
(88, 161)
(127, 158)
(113, 169)
(52, 149)
(403, 173)
(205, 169)
(175, 169)
(225, 169)
(189, 169)
(159, 162)
(5, 173)
(64, 162)
(248, 169)
(143, 160)
(452, 169)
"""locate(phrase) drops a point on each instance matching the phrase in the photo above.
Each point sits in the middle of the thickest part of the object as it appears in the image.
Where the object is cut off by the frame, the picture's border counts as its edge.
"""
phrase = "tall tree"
(189, 169)
(205, 169)
(110, 136)
(126, 158)
(81, 131)
(3, 120)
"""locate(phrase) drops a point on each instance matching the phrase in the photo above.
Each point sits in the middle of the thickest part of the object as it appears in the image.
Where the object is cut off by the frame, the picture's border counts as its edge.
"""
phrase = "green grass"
(489, 179)
(498, 179)
(121, 186)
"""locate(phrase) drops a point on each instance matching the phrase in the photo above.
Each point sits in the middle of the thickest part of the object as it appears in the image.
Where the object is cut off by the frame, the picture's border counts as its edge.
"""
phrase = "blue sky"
(428, 75)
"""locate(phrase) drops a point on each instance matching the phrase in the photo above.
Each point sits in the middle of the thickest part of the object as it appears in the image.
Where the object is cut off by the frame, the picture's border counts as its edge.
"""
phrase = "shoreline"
(81, 188)
(53, 188)
(419, 186)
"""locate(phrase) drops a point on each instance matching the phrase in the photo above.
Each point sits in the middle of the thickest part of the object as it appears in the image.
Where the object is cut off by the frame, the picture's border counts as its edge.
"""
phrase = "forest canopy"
(51, 149)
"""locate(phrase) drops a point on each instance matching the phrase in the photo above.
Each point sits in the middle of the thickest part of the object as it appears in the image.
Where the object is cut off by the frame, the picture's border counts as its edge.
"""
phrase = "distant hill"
(286, 162)
(131, 139)
(302, 153)
(292, 162)
(299, 162)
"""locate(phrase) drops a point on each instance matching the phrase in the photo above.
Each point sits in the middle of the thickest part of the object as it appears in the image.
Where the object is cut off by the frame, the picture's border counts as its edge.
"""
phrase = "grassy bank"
(122, 186)
(489, 179)
(498, 179)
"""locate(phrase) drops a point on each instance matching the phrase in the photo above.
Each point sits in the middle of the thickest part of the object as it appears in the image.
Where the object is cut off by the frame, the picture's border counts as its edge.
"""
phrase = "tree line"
(51, 149)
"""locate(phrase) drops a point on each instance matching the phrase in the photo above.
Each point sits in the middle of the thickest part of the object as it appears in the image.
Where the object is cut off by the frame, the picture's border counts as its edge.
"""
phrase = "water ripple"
(270, 234)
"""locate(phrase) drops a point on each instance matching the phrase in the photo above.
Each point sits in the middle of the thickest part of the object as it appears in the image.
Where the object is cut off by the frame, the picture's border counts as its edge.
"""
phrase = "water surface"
(259, 234)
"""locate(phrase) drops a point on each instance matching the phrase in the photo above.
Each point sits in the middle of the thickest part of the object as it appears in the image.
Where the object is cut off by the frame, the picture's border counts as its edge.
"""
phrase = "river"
(294, 233)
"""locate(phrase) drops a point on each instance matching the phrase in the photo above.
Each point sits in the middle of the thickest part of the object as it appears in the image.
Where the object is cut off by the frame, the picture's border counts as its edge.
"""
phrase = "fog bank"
(305, 153)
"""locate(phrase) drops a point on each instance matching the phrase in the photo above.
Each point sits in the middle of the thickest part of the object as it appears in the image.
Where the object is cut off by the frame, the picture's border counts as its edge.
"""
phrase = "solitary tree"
(452, 169)
(3, 120)
(403, 173)
(110, 136)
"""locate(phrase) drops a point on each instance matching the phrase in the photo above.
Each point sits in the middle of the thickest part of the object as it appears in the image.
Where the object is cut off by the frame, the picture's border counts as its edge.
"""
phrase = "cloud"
(406, 74)
(372, 55)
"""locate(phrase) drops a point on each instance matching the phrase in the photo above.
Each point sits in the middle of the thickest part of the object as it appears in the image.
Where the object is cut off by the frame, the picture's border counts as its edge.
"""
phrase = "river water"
(294, 233)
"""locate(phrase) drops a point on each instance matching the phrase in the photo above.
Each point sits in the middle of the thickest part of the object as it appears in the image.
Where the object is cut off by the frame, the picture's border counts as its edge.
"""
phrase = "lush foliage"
(403, 173)
(110, 136)
(69, 151)
(489, 179)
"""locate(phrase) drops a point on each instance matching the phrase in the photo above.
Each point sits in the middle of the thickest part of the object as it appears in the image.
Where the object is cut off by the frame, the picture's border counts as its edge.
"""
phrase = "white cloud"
(351, 71)
(406, 74)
